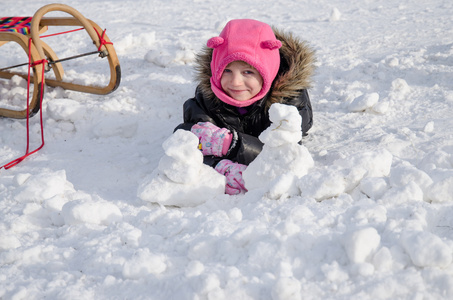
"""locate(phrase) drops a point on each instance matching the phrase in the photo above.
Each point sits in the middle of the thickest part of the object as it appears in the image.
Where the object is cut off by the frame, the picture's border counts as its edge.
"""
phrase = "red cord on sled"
(27, 153)
(102, 41)
(11, 164)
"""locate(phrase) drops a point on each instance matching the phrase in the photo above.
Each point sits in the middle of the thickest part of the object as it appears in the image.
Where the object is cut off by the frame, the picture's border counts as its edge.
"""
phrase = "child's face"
(241, 81)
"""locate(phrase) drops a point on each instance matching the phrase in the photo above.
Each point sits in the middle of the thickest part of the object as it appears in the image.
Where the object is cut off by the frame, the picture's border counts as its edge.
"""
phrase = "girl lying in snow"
(241, 73)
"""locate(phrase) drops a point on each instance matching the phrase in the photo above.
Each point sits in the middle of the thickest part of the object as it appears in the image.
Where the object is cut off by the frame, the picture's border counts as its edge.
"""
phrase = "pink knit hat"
(250, 41)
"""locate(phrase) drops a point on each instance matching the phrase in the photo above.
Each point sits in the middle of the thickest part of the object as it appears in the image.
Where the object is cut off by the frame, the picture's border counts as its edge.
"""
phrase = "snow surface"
(371, 218)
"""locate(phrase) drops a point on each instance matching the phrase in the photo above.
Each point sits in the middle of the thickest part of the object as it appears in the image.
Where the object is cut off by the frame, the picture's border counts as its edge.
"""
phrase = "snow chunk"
(426, 249)
(360, 244)
(373, 187)
(377, 163)
(65, 109)
(335, 15)
(407, 193)
(37, 188)
(98, 212)
(323, 184)
(143, 263)
(399, 88)
(441, 191)
(364, 102)
(281, 152)
(429, 127)
(182, 179)
(285, 127)
(159, 57)
(283, 186)
(381, 107)
(8, 241)
(286, 288)
(404, 173)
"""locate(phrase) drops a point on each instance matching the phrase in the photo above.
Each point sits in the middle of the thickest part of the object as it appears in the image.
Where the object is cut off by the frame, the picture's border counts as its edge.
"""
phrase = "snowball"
(65, 109)
(360, 244)
(426, 249)
(82, 211)
(364, 102)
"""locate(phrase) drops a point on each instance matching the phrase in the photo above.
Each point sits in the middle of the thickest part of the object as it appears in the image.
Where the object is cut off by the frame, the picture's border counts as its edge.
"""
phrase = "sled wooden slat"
(41, 51)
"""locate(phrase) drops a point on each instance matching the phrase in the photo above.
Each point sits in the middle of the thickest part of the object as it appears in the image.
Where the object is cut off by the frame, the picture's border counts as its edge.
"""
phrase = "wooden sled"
(43, 58)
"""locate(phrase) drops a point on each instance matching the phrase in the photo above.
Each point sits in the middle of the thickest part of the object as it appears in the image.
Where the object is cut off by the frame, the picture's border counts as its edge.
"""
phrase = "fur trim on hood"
(296, 69)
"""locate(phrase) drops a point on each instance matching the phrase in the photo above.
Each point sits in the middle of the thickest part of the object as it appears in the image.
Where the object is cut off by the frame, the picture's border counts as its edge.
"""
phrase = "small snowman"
(283, 159)
(182, 179)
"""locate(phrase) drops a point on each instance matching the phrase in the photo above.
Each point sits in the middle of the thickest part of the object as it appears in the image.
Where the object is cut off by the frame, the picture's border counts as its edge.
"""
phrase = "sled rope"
(27, 153)
(102, 42)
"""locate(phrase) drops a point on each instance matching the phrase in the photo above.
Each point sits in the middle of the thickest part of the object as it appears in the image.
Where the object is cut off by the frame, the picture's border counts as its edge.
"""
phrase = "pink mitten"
(233, 173)
(213, 140)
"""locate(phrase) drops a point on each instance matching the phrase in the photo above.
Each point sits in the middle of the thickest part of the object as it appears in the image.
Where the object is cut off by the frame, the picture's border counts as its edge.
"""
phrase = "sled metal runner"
(42, 58)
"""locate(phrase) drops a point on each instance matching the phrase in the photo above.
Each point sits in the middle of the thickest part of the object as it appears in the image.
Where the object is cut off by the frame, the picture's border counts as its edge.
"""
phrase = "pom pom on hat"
(247, 40)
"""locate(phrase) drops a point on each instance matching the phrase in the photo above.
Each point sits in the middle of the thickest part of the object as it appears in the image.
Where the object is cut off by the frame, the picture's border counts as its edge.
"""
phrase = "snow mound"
(364, 102)
(38, 188)
(182, 179)
(66, 110)
(282, 154)
(426, 249)
(346, 174)
(93, 211)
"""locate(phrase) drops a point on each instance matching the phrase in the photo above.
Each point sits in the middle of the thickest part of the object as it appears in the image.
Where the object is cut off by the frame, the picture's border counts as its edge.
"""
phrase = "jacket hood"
(296, 69)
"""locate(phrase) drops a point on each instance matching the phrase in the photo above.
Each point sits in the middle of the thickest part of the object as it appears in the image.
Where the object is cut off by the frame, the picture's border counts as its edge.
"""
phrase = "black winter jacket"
(289, 87)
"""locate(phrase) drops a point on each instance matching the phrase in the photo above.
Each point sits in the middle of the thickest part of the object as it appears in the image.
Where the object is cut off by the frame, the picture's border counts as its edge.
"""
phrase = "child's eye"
(227, 71)
(249, 72)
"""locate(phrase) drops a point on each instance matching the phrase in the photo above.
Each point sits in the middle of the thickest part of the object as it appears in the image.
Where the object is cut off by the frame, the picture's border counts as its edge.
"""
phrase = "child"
(241, 73)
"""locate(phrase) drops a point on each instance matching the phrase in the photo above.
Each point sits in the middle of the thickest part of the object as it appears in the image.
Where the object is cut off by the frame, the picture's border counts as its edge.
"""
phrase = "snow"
(116, 206)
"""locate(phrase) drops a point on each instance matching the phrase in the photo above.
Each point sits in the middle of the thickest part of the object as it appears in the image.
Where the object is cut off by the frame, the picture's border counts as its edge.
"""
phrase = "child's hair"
(251, 41)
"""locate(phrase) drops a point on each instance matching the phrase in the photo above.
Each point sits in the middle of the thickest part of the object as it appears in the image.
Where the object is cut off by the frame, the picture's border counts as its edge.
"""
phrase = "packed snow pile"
(181, 178)
(282, 155)
(361, 209)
